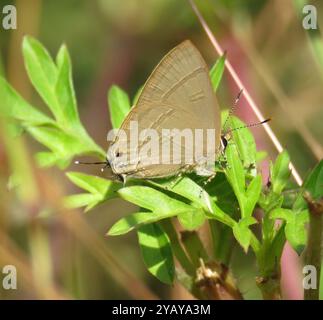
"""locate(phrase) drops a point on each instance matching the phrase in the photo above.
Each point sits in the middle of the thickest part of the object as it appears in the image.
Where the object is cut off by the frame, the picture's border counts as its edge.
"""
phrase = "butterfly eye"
(118, 154)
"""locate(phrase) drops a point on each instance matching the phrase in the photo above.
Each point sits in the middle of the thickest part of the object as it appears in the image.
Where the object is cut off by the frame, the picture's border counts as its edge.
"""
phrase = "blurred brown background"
(63, 254)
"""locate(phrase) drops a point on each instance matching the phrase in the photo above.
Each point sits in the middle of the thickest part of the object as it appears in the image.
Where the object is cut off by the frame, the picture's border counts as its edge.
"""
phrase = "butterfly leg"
(209, 179)
(179, 175)
(205, 171)
(222, 162)
(174, 182)
(124, 179)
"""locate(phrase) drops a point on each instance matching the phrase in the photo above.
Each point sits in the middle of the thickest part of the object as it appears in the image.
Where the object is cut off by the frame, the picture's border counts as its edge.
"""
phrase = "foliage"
(230, 199)
(63, 135)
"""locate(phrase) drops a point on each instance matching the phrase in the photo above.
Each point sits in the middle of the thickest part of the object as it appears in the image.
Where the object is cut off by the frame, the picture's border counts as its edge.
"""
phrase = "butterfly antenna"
(250, 125)
(81, 162)
(233, 108)
(106, 163)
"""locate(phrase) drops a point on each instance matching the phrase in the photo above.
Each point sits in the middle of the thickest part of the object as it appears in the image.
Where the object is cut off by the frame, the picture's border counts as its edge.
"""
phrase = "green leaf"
(191, 220)
(281, 213)
(248, 221)
(313, 184)
(234, 170)
(270, 201)
(222, 194)
(101, 190)
(216, 72)
(190, 216)
(252, 196)
(189, 189)
(93, 184)
(135, 220)
(156, 251)
(153, 200)
(119, 105)
(48, 159)
(55, 139)
(243, 234)
(43, 73)
(280, 172)
(64, 145)
(295, 228)
(64, 89)
(296, 233)
(82, 200)
(235, 173)
(65, 137)
(13, 105)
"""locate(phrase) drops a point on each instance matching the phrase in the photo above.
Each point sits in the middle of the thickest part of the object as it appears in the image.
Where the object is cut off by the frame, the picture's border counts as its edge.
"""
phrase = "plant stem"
(314, 244)
(268, 259)
(213, 279)
(269, 269)
(186, 276)
(255, 243)
(203, 278)
(216, 282)
(177, 248)
(270, 287)
(222, 241)
(194, 247)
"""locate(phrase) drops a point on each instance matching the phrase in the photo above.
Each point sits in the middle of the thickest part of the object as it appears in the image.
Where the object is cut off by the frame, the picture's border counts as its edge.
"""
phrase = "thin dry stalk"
(283, 100)
(246, 94)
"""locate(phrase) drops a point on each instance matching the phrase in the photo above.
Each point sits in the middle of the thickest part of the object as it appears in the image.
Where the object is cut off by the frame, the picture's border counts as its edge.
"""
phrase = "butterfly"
(178, 96)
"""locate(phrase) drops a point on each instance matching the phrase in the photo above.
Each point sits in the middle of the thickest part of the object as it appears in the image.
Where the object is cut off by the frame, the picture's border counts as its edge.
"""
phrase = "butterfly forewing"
(177, 95)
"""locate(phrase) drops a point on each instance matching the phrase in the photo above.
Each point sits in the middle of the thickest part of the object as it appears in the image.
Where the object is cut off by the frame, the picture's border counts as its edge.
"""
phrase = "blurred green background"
(65, 254)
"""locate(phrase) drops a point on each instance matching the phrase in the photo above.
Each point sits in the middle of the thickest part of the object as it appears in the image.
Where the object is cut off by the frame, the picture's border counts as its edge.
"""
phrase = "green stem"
(194, 247)
(255, 244)
(177, 248)
(186, 276)
(222, 240)
(268, 261)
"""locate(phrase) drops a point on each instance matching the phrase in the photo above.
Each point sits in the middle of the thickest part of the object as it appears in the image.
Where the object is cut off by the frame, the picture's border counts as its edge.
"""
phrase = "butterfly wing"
(178, 94)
